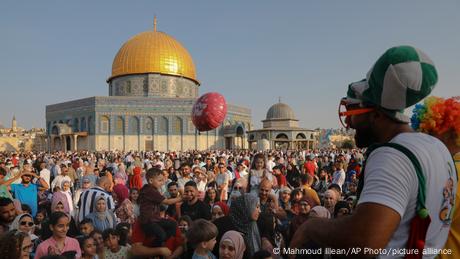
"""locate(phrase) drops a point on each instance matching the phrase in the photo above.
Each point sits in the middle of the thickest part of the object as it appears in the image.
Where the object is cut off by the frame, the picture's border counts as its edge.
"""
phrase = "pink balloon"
(209, 111)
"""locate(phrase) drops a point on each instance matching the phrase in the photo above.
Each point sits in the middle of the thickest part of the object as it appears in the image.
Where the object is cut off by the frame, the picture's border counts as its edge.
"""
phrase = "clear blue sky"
(250, 51)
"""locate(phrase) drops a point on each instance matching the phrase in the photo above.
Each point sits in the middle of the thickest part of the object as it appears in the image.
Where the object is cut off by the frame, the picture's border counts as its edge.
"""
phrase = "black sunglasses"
(30, 224)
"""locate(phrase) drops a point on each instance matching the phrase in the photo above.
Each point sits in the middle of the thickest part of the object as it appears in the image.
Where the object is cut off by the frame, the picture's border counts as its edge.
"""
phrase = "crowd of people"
(119, 205)
(393, 196)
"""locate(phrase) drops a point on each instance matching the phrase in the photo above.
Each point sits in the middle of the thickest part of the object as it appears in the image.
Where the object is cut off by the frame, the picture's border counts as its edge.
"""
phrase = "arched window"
(76, 126)
(55, 130)
(282, 136)
(119, 125)
(300, 136)
(90, 125)
(239, 131)
(149, 125)
(134, 125)
(163, 125)
(177, 126)
(105, 124)
(128, 87)
(83, 124)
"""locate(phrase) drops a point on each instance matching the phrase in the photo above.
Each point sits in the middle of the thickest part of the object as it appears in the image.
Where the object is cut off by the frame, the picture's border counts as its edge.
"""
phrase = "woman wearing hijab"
(86, 184)
(243, 216)
(24, 223)
(320, 212)
(219, 209)
(304, 213)
(136, 179)
(102, 218)
(231, 245)
(244, 213)
(238, 189)
(65, 189)
(125, 208)
(342, 208)
(121, 177)
(59, 204)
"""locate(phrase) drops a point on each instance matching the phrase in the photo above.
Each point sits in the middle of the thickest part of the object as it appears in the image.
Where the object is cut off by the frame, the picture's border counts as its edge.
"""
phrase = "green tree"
(348, 144)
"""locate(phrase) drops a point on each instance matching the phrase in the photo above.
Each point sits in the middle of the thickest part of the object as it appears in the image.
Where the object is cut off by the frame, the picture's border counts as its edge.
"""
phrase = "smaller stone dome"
(280, 111)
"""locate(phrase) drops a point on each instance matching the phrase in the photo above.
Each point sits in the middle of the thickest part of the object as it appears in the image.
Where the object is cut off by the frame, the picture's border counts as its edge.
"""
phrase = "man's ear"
(376, 116)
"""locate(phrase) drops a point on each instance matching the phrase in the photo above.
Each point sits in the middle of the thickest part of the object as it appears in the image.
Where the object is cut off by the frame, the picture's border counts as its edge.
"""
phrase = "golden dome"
(153, 52)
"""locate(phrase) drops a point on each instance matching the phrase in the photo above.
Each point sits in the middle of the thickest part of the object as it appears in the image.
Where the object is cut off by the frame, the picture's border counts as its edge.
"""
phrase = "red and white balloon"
(209, 111)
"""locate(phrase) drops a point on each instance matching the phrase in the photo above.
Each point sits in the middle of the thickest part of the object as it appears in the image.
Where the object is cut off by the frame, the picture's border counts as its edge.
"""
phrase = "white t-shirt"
(391, 180)
(46, 174)
(270, 165)
(339, 178)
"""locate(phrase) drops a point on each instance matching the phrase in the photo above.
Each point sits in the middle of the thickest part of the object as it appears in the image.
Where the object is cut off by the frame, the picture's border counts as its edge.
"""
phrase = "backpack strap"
(421, 194)
(421, 221)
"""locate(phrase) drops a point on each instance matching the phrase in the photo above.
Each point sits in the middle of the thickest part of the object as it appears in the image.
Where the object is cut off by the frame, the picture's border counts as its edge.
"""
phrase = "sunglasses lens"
(342, 118)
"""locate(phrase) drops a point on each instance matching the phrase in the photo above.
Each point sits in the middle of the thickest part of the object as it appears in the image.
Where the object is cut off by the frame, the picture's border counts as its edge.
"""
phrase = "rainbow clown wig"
(438, 116)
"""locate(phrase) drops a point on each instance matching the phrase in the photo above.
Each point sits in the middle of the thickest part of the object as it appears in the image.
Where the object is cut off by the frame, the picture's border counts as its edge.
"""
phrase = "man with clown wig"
(441, 118)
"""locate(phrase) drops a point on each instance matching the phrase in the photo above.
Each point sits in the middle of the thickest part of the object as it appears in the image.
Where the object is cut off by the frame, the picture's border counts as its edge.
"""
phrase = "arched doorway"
(302, 142)
(68, 143)
(240, 137)
(57, 144)
(282, 141)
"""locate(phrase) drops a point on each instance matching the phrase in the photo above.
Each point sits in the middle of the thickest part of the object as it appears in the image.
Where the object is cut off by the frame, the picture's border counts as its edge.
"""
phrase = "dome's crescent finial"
(155, 23)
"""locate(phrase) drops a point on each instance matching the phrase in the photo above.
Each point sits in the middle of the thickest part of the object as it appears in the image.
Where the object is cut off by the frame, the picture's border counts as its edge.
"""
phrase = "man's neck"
(192, 202)
(391, 130)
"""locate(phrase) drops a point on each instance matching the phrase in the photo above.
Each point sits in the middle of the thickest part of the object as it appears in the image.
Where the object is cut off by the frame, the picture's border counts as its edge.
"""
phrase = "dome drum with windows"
(153, 63)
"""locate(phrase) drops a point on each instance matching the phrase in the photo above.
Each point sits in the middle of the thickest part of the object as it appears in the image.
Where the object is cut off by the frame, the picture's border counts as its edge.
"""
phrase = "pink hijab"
(59, 197)
(238, 242)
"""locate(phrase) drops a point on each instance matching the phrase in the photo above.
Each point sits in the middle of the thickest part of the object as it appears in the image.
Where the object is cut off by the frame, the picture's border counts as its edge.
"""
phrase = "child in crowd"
(202, 235)
(184, 224)
(88, 247)
(296, 196)
(133, 197)
(26, 209)
(39, 218)
(125, 231)
(86, 227)
(113, 248)
(150, 200)
(99, 241)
